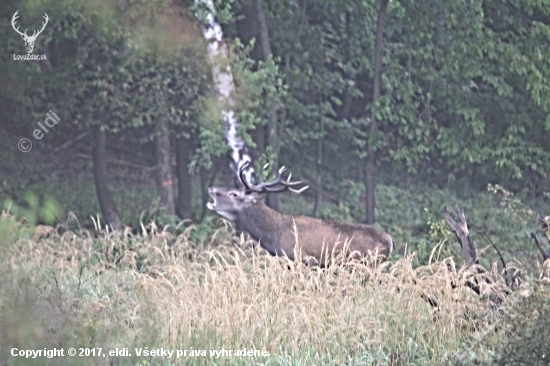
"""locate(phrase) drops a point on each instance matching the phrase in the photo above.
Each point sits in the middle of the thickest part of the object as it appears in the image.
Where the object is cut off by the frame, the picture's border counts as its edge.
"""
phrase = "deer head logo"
(29, 40)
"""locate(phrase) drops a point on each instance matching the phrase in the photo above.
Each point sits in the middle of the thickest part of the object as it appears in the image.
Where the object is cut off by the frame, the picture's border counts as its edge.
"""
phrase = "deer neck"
(265, 225)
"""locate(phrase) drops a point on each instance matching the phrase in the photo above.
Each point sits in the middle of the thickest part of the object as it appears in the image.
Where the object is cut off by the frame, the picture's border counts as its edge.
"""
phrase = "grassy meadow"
(158, 290)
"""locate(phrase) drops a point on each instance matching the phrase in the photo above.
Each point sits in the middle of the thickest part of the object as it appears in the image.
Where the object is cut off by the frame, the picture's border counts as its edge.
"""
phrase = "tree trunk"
(369, 184)
(223, 79)
(204, 192)
(164, 170)
(264, 30)
(319, 180)
(183, 153)
(272, 125)
(248, 27)
(106, 202)
(370, 163)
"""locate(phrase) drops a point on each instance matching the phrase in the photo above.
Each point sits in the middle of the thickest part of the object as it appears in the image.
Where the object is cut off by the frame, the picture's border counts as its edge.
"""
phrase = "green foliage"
(12, 231)
(35, 209)
(527, 332)
(440, 233)
(465, 101)
(223, 10)
(524, 339)
(513, 206)
(258, 85)
(461, 90)
(210, 133)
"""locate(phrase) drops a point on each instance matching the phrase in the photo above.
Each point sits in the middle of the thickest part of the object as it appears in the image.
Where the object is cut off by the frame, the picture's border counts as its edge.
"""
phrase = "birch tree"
(218, 55)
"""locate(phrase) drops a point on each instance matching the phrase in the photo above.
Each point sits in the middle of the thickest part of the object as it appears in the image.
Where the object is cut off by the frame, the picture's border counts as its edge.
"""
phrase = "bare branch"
(504, 265)
(461, 231)
(545, 255)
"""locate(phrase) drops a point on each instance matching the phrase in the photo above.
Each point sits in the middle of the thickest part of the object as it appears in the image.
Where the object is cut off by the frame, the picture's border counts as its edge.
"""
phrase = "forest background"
(456, 110)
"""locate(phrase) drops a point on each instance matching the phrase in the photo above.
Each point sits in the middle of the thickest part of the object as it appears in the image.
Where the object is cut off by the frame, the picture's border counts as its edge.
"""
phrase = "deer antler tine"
(46, 18)
(277, 180)
(288, 182)
(262, 172)
(298, 191)
(245, 165)
(282, 170)
(14, 21)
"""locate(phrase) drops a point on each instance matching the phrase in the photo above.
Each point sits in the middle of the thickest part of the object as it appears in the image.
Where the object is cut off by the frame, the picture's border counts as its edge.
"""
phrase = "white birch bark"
(223, 79)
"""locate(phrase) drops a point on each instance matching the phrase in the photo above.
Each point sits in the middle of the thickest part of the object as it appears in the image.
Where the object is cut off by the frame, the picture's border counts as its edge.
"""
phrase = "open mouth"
(211, 205)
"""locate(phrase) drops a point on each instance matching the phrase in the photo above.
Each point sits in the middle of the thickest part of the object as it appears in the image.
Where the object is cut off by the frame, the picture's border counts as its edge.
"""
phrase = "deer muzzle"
(212, 193)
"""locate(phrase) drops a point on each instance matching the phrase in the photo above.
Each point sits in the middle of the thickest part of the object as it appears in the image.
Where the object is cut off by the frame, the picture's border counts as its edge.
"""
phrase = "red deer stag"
(278, 233)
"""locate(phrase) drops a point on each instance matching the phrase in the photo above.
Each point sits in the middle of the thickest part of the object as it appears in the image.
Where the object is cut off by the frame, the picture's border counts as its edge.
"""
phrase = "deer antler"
(46, 18)
(13, 21)
(24, 34)
(277, 185)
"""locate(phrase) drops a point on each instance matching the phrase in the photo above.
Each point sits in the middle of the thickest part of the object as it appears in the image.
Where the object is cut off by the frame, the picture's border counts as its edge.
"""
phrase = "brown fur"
(278, 233)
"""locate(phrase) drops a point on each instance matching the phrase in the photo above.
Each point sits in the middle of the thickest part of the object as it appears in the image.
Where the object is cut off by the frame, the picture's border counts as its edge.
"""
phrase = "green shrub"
(527, 331)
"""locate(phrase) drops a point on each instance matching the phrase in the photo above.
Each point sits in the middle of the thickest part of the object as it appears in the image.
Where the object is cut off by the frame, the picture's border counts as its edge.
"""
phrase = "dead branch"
(468, 250)
(496, 248)
(545, 222)
(545, 274)
(545, 255)
(119, 162)
(461, 231)
(71, 142)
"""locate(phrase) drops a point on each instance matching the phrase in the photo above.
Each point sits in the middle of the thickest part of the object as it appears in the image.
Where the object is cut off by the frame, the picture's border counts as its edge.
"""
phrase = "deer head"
(29, 40)
(279, 234)
(230, 202)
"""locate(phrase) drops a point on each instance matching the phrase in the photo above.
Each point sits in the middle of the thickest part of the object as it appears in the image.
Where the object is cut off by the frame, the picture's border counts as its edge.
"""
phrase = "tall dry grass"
(158, 290)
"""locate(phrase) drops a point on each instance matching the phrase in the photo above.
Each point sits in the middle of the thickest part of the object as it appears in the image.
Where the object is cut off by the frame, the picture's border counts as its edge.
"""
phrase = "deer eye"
(232, 194)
